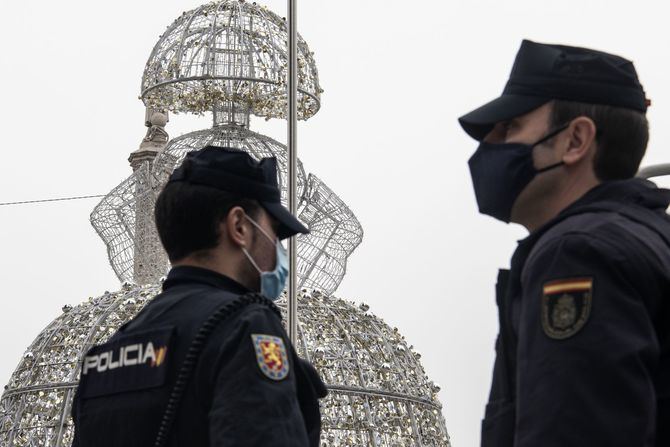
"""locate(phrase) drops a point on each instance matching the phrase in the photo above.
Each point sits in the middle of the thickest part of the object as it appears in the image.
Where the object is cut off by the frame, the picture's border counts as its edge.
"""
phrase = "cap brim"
(288, 225)
(481, 121)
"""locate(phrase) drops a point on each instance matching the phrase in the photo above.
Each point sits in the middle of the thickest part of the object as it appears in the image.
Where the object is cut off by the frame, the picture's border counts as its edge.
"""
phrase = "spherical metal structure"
(124, 218)
(228, 52)
(231, 136)
(35, 405)
(379, 394)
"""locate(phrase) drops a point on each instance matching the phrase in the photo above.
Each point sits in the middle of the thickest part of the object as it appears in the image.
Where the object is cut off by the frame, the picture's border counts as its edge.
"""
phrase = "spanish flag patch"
(566, 306)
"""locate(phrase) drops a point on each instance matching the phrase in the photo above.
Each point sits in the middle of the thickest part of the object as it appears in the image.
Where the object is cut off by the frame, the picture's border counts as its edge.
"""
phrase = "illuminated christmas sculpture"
(228, 58)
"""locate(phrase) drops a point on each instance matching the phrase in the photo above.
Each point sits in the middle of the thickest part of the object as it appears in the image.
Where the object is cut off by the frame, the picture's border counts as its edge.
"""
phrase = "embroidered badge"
(566, 306)
(271, 355)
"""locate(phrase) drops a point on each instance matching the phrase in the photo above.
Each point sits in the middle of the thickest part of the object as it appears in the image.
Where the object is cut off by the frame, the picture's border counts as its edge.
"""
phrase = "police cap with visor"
(236, 172)
(542, 72)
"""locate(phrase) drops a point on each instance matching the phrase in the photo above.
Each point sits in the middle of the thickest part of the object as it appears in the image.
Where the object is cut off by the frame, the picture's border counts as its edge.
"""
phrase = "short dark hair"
(622, 136)
(188, 216)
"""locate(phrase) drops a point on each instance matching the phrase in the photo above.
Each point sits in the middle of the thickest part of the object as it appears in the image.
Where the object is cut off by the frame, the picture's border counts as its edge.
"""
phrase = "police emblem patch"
(566, 306)
(271, 355)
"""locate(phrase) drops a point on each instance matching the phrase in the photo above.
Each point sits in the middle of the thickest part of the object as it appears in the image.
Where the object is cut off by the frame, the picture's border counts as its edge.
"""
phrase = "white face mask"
(272, 282)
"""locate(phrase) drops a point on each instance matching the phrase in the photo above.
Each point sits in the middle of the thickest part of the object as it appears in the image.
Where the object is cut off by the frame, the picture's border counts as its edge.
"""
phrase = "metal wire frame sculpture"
(36, 403)
(379, 392)
(124, 218)
(229, 57)
(228, 51)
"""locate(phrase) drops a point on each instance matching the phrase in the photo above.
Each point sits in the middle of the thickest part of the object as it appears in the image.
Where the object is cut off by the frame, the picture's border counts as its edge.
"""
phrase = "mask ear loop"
(259, 228)
(545, 138)
(550, 167)
(244, 250)
(246, 253)
(551, 134)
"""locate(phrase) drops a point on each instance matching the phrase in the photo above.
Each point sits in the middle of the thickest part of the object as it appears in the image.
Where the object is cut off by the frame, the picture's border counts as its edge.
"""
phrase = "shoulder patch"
(271, 356)
(566, 306)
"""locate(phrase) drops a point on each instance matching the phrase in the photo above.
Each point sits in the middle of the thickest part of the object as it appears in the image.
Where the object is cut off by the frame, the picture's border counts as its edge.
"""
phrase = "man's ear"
(236, 228)
(581, 139)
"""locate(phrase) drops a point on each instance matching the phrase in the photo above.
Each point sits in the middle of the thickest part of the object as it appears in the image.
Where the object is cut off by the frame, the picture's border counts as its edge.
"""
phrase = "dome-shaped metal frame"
(379, 393)
(228, 51)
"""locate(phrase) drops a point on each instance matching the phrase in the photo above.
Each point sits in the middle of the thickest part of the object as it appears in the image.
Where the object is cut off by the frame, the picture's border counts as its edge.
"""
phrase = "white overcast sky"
(396, 76)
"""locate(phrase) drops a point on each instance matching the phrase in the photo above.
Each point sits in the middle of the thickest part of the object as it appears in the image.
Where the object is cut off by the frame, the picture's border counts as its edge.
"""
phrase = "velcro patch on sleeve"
(130, 363)
(566, 306)
(271, 355)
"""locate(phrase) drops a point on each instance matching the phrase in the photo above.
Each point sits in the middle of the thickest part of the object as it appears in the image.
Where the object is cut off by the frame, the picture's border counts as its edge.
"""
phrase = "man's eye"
(510, 126)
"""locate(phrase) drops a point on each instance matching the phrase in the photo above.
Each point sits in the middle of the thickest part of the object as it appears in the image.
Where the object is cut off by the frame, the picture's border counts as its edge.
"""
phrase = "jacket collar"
(635, 190)
(184, 274)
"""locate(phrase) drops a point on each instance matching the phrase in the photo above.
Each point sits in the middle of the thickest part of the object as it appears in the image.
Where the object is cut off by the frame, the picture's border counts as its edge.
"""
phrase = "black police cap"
(235, 172)
(543, 72)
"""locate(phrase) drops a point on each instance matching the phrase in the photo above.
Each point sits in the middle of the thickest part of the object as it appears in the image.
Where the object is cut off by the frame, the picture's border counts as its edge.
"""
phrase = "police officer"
(207, 362)
(583, 354)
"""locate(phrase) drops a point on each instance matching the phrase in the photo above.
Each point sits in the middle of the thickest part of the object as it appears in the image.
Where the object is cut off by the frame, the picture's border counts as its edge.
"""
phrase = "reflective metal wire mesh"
(379, 392)
(225, 51)
(35, 405)
(228, 57)
(334, 235)
(124, 218)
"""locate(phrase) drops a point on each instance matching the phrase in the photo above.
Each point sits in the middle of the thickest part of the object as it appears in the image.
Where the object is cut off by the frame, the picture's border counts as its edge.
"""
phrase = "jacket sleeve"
(310, 389)
(586, 355)
(249, 407)
(75, 420)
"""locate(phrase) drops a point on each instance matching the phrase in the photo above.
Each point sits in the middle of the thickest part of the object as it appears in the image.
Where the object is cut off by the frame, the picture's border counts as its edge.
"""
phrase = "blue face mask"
(272, 282)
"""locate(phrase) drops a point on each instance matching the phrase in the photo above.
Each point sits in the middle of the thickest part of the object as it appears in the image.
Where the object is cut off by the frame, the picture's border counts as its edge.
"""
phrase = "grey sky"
(396, 76)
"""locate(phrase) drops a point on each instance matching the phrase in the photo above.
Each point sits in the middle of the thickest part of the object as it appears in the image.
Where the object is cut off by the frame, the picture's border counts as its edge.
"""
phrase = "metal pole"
(654, 171)
(292, 118)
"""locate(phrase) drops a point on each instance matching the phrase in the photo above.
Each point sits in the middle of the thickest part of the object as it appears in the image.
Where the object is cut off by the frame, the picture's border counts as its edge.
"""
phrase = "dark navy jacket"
(583, 354)
(231, 400)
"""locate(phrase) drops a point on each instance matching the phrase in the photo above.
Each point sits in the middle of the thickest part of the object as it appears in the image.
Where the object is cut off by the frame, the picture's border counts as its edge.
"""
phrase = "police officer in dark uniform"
(583, 354)
(207, 362)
